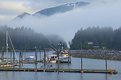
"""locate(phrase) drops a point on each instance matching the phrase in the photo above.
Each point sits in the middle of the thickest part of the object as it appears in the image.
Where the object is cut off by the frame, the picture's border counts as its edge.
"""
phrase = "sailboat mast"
(7, 47)
(75, 4)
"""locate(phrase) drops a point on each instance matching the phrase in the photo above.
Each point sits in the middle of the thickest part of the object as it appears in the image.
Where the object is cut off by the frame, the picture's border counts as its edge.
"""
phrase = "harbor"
(53, 60)
(97, 65)
(40, 63)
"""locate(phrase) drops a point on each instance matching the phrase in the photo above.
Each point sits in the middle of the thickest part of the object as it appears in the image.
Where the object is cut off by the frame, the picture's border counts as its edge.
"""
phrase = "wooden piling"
(13, 56)
(11, 59)
(44, 59)
(20, 59)
(106, 62)
(58, 55)
(40, 56)
(36, 57)
(81, 64)
(2, 54)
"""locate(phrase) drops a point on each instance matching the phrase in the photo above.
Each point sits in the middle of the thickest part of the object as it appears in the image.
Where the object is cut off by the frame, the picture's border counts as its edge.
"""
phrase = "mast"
(75, 4)
(14, 52)
(7, 47)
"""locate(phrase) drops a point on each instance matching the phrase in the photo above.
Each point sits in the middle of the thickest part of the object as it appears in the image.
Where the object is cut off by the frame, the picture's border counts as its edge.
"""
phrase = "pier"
(110, 71)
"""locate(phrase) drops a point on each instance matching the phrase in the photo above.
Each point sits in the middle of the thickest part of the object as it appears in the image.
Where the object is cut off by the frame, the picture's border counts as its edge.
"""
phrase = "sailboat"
(6, 62)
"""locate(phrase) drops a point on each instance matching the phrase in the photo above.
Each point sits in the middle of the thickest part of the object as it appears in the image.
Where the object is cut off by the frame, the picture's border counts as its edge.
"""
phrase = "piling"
(40, 56)
(13, 56)
(11, 59)
(106, 62)
(35, 57)
(20, 59)
(81, 64)
(44, 59)
(2, 54)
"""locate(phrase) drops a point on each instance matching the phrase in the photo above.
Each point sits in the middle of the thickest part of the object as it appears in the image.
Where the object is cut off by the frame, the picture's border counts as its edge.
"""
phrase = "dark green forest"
(97, 38)
(27, 39)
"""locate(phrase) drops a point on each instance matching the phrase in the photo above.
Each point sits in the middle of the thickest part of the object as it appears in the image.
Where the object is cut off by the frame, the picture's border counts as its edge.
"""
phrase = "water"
(88, 64)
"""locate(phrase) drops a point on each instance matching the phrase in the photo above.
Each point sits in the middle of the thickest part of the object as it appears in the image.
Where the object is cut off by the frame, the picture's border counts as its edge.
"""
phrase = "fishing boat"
(64, 57)
(53, 58)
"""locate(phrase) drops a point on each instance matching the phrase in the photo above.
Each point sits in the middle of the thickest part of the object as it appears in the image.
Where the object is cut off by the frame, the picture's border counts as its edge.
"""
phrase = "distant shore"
(108, 56)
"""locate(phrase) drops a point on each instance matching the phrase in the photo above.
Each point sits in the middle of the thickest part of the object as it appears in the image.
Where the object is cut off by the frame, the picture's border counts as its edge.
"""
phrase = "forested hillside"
(25, 38)
(97, 38)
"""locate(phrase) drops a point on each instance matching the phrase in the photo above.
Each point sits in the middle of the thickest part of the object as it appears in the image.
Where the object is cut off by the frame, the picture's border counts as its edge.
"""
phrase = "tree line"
(97, 38)
(26, 39)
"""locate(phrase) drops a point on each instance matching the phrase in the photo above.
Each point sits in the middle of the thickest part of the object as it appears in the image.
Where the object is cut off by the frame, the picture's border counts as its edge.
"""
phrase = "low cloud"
(99, 13)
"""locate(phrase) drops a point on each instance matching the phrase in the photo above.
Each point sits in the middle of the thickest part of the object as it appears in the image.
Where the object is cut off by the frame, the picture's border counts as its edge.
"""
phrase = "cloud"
(16, 7)
(99, 13)
(67, 24)
(11, 8)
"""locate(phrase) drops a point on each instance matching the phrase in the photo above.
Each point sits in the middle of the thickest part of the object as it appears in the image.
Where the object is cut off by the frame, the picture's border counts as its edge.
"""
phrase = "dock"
(110, 71)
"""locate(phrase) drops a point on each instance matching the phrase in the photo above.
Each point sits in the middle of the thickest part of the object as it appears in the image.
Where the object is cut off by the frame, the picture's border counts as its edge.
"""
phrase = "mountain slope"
(55, 10)
(61, 8)
(23, 15)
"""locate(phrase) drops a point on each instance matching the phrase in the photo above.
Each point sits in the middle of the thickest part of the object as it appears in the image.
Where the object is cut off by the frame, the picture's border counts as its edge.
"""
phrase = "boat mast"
(7, 47)
(14, 55)
(75, 4)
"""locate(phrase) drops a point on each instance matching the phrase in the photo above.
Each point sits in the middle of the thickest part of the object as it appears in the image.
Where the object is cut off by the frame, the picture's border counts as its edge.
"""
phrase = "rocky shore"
(97, 54)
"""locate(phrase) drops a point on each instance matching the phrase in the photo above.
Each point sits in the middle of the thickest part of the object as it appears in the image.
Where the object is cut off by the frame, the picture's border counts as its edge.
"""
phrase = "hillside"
(97, 38)
(25, 38)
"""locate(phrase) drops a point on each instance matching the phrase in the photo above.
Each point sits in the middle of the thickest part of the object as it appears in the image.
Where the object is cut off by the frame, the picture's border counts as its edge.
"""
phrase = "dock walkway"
(110, 71)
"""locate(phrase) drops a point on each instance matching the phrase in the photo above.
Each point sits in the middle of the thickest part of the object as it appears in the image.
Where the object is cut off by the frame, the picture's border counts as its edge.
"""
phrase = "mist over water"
(103, 13)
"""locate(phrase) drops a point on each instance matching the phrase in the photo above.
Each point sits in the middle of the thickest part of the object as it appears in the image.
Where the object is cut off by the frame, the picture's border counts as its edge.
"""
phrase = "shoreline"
(115, 57)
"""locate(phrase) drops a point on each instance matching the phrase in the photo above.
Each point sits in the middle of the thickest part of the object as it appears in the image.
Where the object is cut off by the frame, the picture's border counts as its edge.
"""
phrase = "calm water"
(88, 64)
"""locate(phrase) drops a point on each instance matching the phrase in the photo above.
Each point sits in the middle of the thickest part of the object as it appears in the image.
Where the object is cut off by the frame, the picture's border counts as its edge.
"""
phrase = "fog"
(103, 13)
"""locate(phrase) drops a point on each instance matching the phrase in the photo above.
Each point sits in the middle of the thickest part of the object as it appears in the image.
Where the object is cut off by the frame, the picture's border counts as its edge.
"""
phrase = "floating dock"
(109, 71)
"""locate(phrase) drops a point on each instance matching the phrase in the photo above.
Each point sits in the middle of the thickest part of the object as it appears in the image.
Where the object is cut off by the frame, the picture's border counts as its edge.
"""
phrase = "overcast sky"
(98, 13)
(12, 8)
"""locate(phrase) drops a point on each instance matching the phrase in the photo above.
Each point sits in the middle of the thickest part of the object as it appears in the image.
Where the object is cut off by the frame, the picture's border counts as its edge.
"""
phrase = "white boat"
(30, 58)
(53, 58)
(64, 54)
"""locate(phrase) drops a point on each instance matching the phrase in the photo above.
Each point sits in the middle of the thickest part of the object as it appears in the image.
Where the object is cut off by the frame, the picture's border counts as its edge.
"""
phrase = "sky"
(104, 13)
(12, 8)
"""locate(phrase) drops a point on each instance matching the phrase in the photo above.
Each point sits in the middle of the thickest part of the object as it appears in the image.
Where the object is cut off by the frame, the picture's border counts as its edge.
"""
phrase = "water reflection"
(6, 75)
(36, 76)
(58, 76)
(106, 76)
(81, 76)
(13, 75)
